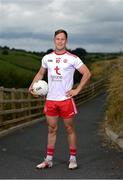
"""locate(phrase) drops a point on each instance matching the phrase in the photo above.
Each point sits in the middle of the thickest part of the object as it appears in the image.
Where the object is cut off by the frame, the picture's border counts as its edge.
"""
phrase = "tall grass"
(114, 113)
(100, 69)
(112, 70)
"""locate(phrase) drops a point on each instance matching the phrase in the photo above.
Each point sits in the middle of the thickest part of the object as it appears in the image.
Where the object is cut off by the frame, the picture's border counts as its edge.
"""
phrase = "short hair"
(61, 31)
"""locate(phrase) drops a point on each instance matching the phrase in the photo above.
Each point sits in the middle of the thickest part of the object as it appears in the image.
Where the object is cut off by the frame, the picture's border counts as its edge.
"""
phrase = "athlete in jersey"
(61, 69)
(61, 66)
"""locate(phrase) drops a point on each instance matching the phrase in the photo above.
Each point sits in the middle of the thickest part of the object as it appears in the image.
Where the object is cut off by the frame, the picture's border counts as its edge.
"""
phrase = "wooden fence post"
(93, 89)
(29, 104)
(1, 104)
(13, 104)
(23, 103)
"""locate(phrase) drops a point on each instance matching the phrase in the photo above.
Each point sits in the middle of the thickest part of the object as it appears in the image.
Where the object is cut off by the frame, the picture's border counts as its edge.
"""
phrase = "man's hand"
(32, 92)
(35, 95)
(72, 93)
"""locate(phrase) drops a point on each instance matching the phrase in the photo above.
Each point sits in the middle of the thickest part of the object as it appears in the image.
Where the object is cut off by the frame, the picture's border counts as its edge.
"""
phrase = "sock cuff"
(50, 151)
(73, 151)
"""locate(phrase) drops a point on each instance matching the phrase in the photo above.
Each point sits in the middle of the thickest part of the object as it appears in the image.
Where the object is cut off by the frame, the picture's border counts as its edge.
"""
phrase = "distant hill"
(17, 68)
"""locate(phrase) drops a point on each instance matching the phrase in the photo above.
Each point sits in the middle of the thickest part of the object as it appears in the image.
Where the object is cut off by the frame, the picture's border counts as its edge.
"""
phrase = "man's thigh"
(52, 120)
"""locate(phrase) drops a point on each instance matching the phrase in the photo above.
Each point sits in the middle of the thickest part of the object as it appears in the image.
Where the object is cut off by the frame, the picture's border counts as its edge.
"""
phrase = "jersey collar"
(59, 53)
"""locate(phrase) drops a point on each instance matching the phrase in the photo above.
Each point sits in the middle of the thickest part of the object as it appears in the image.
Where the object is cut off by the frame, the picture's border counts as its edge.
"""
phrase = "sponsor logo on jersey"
(56, 78)
(57, 70)
(50, 60)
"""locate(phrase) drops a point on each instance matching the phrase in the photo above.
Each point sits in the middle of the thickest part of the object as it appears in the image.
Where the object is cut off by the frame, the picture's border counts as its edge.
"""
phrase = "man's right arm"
(37, 77)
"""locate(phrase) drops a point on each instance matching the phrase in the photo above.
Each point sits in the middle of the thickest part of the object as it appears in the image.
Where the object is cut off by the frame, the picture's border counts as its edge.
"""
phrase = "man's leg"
(70, 128)
(52, 122)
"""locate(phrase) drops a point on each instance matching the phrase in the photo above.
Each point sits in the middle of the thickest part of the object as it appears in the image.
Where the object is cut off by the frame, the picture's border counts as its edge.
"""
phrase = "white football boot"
(45, 164)
(72, 164)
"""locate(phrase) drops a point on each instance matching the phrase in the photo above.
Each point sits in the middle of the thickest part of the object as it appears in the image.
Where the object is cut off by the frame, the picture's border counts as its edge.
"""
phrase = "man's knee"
(52, 129)
(69, 128)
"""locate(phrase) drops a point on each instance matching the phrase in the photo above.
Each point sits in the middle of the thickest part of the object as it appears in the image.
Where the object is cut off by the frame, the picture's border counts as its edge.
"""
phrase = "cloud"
(93, 24)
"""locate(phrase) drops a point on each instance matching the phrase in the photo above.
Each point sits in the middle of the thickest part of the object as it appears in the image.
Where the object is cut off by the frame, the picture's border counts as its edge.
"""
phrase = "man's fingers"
(32, 92)
(68, 94)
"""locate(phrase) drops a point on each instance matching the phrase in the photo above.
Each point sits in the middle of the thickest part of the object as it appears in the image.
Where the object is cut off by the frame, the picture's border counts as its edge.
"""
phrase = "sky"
(95, 25)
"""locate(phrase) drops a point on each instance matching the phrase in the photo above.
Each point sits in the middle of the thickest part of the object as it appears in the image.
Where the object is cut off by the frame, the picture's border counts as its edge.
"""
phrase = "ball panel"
(40, 87)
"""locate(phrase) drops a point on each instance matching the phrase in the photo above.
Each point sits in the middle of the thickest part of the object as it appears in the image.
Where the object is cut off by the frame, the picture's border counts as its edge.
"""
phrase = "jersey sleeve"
(78, 63)
(44, 62)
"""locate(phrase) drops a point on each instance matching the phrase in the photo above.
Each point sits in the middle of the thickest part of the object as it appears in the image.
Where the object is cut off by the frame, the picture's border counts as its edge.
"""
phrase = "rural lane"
(23, 149)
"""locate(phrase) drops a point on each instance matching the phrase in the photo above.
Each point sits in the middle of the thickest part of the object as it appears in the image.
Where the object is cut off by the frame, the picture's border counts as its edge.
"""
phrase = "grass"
(23, 60)
(17, 69)
(114, 112)
(13, 76)
(112, 70)
(100, 69)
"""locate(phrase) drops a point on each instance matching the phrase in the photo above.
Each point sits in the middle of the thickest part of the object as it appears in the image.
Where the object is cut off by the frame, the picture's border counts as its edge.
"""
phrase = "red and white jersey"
(61, 70)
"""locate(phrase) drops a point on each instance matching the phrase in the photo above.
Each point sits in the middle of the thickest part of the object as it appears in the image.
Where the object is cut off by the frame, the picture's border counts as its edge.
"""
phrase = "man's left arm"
(85, 78)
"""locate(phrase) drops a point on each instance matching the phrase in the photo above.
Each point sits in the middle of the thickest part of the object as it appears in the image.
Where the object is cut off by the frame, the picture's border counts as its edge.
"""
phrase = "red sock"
(73, 154)
(50, 151)
(73, 151)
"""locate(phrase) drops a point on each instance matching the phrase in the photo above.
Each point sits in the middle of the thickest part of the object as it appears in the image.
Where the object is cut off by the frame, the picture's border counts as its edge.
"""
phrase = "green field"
(17, 69)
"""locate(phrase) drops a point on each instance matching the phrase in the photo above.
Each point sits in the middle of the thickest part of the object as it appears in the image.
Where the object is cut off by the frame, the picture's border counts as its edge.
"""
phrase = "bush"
(5, 52)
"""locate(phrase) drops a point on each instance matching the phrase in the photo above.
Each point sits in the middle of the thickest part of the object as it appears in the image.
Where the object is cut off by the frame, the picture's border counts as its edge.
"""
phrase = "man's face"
(60, 41)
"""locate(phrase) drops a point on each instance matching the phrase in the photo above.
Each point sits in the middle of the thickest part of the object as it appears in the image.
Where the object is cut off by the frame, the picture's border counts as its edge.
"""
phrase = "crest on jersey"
(65, 60)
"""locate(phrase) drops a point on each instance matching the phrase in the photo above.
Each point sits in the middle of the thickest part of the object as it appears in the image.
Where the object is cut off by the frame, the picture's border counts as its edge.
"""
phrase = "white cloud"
(91, 23)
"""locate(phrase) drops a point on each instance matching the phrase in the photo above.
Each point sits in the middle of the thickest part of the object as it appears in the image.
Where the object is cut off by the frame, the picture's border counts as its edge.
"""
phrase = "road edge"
(114, 137)
(17, 127)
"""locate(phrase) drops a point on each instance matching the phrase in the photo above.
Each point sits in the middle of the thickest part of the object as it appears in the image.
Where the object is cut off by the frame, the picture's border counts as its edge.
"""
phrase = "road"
(21, 150)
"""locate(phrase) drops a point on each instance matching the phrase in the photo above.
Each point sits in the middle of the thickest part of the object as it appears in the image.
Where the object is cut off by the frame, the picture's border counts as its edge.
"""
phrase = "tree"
(80, 52)
(5, 50)
(49, 51)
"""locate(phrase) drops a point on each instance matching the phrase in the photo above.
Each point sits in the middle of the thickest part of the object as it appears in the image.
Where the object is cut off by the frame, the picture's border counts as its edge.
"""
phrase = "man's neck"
(59, 52)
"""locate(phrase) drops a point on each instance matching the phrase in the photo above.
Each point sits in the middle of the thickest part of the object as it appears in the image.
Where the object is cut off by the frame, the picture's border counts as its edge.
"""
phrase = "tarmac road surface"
(23, 149)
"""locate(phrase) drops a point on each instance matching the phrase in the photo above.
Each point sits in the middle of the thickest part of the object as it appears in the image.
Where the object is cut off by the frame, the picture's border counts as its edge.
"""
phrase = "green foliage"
(18, 67)
(13, 76)
(115, 98)
(5, 52)
(23, 60)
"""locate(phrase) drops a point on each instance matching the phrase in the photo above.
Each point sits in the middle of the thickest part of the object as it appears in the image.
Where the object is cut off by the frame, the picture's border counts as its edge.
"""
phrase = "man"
(61, 66)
